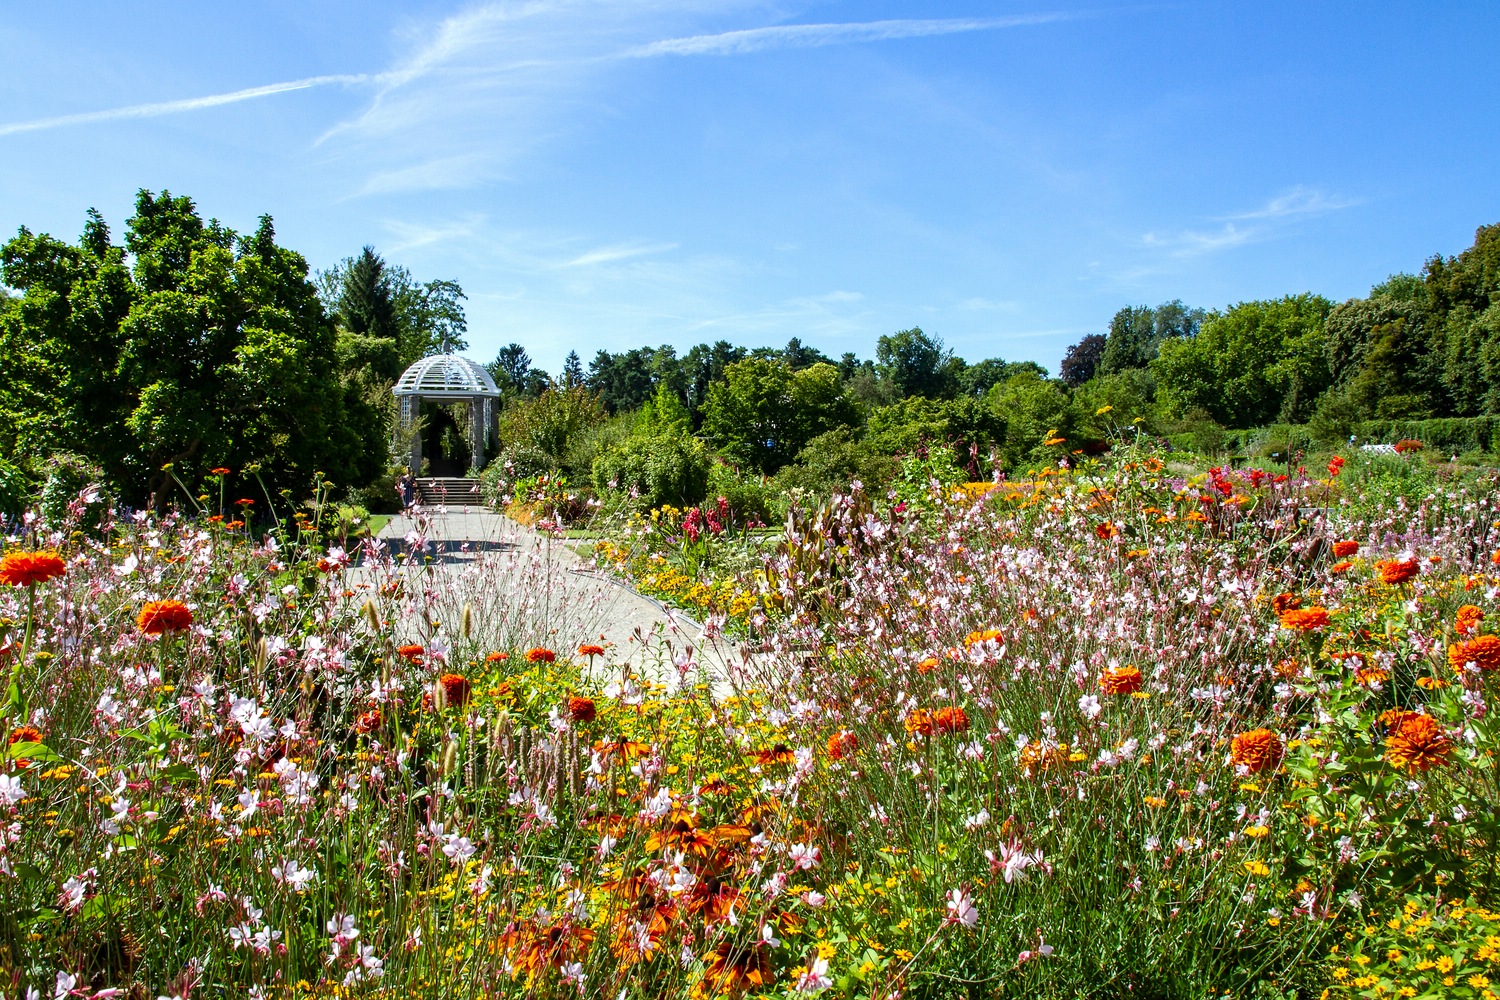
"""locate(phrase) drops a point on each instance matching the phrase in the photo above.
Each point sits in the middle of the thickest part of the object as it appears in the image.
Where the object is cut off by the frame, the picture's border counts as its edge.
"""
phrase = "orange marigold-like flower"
(1417, 743)
(1283, 603)
(496, 657)
(456, 688)
(734, 968)
(411, 652)
(1394, 571)
(25, 569)
(1105, 530)
(950, 719)
(590, 649)
(1256, 751)
(842, 744)
(988, 635)
(1341, 567)
(1120, 680)
(157, 617)
(1345, 548)
(919, 722)
(1467, 619)
(1482, 651)
(540, 655)
(1305, 619)
(582, 709)
(368, 722)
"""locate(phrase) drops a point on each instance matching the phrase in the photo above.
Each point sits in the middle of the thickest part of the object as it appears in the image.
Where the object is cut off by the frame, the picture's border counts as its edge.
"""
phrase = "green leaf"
(31, 750)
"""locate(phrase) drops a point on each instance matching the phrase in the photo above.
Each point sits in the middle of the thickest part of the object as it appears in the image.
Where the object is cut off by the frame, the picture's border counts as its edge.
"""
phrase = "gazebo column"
(478, 411)
(410, 410)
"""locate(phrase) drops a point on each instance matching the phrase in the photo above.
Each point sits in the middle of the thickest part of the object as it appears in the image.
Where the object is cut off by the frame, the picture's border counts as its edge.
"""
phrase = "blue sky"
(609, 174)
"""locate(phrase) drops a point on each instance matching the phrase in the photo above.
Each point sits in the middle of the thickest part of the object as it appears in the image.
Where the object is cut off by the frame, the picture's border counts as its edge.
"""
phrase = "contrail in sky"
(174, 107)
(812, 35)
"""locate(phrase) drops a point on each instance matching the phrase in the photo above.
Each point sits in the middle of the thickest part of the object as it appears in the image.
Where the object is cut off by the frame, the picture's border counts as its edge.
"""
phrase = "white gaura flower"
(961, 908)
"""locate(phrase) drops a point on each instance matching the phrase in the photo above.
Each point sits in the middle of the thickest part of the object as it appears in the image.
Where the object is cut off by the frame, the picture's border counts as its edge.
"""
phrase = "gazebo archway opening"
(455, 438)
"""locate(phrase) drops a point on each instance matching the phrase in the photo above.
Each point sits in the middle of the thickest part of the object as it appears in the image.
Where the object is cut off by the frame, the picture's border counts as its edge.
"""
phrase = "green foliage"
(1111, 404)
(763, 413)
(917, 364)
(833, 460)
(751, 497)
(68, 477)
(1135, 338)
(1031, 406)
(663, 414)
(663, 469)
(372, 298)
(550, 425)
(1448, 435)
(1257, 362)
(968, 428)
(209, 349)
(15, 489)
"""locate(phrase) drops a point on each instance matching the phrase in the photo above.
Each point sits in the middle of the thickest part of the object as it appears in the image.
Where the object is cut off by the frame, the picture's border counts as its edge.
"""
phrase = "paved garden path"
(585, 604)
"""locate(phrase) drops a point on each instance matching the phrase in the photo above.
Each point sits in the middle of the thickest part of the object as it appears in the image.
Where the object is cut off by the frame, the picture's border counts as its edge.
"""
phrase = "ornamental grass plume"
(1482, 651)
(1417, 743)
(27, 569)
(1257, 750)
(1305, 619)
(1120, 680)
(1394, 571)
(159, 617)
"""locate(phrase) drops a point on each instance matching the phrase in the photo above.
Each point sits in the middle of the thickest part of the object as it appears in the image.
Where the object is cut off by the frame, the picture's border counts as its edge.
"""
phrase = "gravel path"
(473, 546)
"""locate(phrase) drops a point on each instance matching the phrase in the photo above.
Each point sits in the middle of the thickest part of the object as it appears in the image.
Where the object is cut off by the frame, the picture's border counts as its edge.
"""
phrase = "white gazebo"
(448, 378)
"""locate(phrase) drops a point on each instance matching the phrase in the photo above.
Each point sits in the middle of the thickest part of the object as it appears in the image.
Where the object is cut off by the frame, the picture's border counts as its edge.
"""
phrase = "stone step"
(449, 491)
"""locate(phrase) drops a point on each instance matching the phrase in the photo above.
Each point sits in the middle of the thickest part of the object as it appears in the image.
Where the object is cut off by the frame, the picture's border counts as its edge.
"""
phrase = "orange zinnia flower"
(1256, 751)
(1393, 571)
(1305, 619)
(590, 650)
(988, 635)
(368, 722)
(950, 720)
(1345, 548)
(734, 968)
(582, 709)
(410, 652)
(842, 744)
(778, 754)
(26, 569)
(540, 655)
(1105, 530)
(1120, 680)
(456, 688)
(1341, 567)
(919, 721)
(1482, 651)
(1467, 619)
(164, 616)
(496, 657)
(1282, 603)
(1417, 743)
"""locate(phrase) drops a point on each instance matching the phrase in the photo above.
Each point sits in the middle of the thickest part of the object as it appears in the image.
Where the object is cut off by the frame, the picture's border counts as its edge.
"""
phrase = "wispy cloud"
(728, 43)
(1298, 201)
(1251, 226)
(411, 236)
(609, 255)
(178, 107)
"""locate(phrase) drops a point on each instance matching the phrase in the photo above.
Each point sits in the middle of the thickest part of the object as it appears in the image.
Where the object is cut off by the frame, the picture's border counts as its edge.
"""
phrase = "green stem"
(15, 671)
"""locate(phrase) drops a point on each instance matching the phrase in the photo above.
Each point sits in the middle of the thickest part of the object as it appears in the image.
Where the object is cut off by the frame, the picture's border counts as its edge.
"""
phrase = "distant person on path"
(407, 487)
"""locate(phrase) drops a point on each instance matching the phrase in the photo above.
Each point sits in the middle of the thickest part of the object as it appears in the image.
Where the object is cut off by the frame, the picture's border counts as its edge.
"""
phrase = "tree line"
(188, 346)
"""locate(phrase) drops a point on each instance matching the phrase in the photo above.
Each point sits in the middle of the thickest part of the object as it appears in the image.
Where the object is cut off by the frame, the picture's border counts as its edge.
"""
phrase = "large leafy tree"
(1136, 334)
(1253, 364)
(370, 297)
(1081, 362)
(762, 413)
(917, 364)
(210, 349)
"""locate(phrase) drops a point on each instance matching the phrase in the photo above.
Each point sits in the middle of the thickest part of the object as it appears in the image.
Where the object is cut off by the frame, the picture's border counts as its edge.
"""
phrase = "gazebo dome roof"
(445, 375)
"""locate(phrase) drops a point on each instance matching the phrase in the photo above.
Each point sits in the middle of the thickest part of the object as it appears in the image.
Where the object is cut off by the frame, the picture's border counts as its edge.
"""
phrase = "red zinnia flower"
(1345, 548)
(24, 569)
(540, 655)
(1395, 571)
(582, 709)
(164, 616)
(455, 688)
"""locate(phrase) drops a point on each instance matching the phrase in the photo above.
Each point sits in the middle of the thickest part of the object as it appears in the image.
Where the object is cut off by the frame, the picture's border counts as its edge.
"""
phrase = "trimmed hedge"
(1450, 434)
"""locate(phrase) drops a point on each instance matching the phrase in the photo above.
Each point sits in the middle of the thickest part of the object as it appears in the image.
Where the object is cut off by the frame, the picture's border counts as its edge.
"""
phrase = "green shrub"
(833, 460)
(15, 489)
(750, 496)
(658, 470)
(69, 476)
